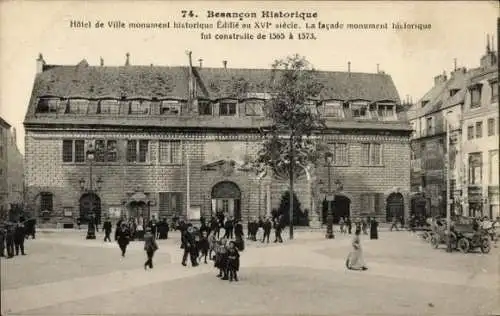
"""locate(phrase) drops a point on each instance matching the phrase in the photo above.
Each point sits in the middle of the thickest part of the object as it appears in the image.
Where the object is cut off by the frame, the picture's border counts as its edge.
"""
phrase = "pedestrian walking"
(9, 240)
(239, 236)
(374, 229)
(150, 246)
(278, 227)
(266, 226)
(189, 246)
(355, 260)
(122, 236)
(394, 224)
(233, 261)
(107, 227)
(229, 229)
(342, 225)
(19, 238)
(349, 225)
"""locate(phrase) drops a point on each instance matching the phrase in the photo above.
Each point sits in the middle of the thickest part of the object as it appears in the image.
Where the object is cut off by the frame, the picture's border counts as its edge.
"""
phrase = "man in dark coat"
(163, 229)
(107, 227)
(267, 226)
(19, 237)
(278, 227)
(122, 236)
(374, 229)
(9, 239)
(228, 227)
(238, 233)
(91, 228)
(189, 246)
(233, 261)
(214, 226)
(348, 223)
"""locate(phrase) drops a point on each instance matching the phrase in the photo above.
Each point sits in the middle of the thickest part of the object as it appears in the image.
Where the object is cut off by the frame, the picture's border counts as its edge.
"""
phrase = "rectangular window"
(131, 151)
(385, 112)
(340, 153)
(470, 132)
(73, 150)
(359, 110)
(139, 107)
(333, 109)
(475, 168)
(46, 202)
(204, 107)
(170, 203)
(143, 150)
(494, 92)
(227, 108)
(111, 107)
(430, 126)
(78, 106)
(475, 97)
(493, 167)
(254, 108)
(491, 126)
(479, 129)
(47, 105)
(105, 150)
(170, 108)
(170, 152)
(371, 154)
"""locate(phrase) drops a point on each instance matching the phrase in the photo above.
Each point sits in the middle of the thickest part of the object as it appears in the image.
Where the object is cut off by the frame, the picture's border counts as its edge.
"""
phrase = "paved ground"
(64, 274)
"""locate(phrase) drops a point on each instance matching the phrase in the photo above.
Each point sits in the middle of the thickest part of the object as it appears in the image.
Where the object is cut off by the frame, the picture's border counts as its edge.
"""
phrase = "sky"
(458, 30)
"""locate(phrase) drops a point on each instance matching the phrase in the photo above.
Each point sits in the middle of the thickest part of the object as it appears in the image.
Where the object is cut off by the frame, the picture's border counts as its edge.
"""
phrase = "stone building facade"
(179, 141)
(480, 139)
(11, 171)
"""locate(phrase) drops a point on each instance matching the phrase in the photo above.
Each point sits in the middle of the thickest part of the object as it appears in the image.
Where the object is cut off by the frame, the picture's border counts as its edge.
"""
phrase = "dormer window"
(110, 107)
(77, 106)
(254, 108)
(385, 111)
(227, 108)
(359, 110)
(139, 107)
(333, 109)
(47, 105)
(453, 92)
(494, 91)
(424, 103)
(170, 108)
(205, 107)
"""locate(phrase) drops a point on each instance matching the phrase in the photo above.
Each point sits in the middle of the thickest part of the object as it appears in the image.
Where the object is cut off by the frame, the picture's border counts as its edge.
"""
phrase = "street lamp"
(330, 197)
(90, 154)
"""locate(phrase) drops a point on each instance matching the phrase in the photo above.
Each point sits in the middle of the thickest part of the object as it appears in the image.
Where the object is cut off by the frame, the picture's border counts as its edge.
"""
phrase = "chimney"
(14, 136)
(488, 48)
(201, 62)
(101, 61)
(454, 64)
(192, 87)
(224, 62)
(349, 67)
(190, 54)
(39, 64)
(378, 68)
(440, 78)
(127, 60)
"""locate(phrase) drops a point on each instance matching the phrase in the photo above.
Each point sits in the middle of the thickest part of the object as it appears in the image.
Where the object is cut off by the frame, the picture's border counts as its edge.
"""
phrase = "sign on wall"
(194, 212)
(225, 150)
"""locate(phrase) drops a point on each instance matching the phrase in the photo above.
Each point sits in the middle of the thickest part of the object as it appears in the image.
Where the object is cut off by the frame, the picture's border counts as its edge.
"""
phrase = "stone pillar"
(314, 220)
(268, 200)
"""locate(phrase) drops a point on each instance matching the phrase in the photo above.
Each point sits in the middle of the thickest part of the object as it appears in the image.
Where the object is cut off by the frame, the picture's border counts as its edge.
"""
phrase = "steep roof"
(163, 82)
(439, 97)
(4, 123)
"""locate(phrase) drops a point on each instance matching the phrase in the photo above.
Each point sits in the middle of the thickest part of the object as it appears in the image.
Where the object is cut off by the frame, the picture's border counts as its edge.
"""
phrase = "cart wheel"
(463, 245)
(485, 245)
(435, 242)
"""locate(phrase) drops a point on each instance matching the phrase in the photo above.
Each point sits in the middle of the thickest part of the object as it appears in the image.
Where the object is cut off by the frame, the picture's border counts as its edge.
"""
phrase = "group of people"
(361, 224)
(13, 235)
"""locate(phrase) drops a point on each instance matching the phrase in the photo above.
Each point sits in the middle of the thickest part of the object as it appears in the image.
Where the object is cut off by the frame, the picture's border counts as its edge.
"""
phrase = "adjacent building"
(461, 108)
(11, 170)
(480, 139)
(166, 141)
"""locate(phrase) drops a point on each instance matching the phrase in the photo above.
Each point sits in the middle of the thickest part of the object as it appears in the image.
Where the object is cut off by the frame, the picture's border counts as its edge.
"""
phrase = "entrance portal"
(395, 207)
(341, 207)
(90, 204)
(226, 198)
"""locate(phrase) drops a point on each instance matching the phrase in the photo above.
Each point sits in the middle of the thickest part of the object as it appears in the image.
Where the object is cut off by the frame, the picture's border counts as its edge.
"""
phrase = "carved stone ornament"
(227, 168)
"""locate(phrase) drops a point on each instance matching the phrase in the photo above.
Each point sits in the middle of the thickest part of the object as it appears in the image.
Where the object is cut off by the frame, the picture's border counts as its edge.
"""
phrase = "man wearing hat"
(150, 246)
(189, 246)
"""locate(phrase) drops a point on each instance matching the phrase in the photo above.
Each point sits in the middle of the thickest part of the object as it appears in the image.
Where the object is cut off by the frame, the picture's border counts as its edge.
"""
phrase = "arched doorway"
(395, 207)
(90, 204)
(341, 207)
(226, 197)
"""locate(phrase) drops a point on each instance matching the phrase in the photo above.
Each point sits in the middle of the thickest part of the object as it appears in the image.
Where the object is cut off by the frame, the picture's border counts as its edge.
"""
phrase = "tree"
(299, 217)
(289, 148)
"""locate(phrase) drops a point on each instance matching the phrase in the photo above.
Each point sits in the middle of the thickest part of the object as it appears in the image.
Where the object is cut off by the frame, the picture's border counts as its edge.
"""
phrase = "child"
(203, 245)
(212, 244)
(233, 261)
(221, 259)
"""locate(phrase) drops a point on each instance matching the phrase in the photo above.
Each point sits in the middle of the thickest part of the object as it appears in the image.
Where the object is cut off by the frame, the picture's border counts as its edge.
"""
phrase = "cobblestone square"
(64, 274)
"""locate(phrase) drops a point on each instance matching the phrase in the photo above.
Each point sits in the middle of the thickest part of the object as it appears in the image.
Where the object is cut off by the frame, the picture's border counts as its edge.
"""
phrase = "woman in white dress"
(355, 260)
